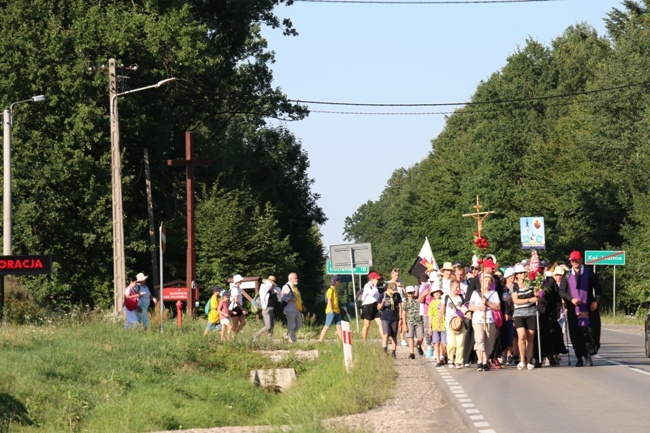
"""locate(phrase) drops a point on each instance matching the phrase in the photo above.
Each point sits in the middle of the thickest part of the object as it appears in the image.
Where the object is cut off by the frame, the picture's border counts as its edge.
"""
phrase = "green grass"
(97, 377)
(622, 319)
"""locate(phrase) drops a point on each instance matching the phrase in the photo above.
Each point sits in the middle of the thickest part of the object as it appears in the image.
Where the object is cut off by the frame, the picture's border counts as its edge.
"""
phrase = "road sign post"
(351, 256)
(612, 258)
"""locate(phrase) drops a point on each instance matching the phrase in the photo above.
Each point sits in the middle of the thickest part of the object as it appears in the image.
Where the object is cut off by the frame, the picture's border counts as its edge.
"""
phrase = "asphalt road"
(611, 396)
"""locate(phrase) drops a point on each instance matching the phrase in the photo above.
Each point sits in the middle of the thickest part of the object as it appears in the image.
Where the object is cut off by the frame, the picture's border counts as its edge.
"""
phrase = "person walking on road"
(332, 310)
(582, 295)
(455, 331)
(293, 307)
(412, 321)
(269, 295)
(485, 331)
(390, 309)
(369, 301)
(525, 317)
(213, 315)
(437, 325)
(144, 300)
(237, 312)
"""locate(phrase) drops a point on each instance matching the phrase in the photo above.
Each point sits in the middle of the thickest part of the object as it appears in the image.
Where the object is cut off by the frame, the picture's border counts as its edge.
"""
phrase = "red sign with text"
(25, 265)
(175, 294)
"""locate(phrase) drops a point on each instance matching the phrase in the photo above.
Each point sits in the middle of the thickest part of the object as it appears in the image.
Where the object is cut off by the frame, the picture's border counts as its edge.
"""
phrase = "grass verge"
(97, 377)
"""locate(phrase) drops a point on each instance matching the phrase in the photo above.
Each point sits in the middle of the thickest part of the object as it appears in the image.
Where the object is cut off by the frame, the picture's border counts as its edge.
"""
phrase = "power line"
(496, 110)
(447, 104)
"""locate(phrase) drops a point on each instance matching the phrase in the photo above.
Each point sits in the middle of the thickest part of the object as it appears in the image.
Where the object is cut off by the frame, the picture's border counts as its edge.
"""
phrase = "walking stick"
(347, 314)
(539, 340)
(566, 334)
(539, 336)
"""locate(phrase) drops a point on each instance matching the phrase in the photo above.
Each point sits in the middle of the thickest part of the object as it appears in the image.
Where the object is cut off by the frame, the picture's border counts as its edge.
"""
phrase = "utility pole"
(119, 264)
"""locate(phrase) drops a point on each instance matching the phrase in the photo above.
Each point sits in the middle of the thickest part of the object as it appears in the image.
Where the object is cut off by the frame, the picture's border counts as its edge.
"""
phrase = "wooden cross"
(189, 162)
(478, 215)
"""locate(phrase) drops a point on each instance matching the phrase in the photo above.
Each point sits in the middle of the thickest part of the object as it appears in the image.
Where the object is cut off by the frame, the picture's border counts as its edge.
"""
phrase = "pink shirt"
(224, 313)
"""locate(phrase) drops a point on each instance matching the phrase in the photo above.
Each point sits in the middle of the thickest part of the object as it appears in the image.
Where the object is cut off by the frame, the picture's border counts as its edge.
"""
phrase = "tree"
(223, 93)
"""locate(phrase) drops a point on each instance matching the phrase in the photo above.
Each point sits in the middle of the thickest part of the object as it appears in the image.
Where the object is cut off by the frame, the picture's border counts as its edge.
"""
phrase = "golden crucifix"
(478, 215)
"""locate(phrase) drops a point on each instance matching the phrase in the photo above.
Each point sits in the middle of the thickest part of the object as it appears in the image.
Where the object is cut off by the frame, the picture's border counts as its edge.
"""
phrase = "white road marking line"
(465, 402)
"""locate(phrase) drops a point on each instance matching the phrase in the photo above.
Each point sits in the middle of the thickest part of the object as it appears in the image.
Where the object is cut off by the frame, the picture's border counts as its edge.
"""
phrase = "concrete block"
(276, 380)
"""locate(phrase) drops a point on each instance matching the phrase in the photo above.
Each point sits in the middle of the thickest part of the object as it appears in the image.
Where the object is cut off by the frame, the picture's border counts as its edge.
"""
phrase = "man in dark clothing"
(582, 293)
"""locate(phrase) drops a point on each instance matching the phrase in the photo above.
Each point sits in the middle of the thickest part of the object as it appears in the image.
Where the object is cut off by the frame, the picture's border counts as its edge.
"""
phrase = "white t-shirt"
(235, 294)
(370, 294)
(452, 303)
(477, 299)
(445, 285)
(265, 292)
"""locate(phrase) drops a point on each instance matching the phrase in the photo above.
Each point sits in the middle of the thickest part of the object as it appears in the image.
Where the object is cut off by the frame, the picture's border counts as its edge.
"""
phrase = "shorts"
(439, 337)
(527, 322)
(369, 311)
(225, 321)
(213, 325)
(415, 331)
(237, 311)
(332, 318)
(389, 328)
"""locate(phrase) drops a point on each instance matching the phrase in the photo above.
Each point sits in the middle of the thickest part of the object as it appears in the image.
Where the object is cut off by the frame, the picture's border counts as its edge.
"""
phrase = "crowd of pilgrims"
(489, 316)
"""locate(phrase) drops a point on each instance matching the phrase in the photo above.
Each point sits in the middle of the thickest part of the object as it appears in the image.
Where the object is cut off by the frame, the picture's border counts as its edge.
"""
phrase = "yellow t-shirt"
(436, 315)
(332, 294)
(213, 317)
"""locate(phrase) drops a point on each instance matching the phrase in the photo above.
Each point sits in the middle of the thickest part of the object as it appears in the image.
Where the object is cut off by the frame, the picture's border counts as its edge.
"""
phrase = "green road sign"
(358, 270)
(615, 258)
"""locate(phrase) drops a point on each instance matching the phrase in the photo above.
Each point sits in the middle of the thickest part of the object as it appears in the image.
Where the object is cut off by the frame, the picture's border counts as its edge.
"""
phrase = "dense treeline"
(256, 213)
(559, 132)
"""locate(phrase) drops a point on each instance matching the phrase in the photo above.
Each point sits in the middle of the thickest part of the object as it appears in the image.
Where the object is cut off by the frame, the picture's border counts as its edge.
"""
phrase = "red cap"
(575, 255)
(374, 275)
(488, 263)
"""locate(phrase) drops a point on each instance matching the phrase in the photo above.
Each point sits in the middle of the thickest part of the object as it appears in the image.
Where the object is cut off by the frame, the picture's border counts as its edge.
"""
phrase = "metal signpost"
(349, 256)
(612, 258)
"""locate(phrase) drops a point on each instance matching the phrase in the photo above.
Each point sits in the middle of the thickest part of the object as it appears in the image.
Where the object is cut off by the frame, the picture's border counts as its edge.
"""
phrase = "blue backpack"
(207, 307)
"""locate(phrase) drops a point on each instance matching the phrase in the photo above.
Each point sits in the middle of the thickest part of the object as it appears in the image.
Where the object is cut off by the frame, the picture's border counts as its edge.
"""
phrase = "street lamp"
(119, 263)
(6, 209)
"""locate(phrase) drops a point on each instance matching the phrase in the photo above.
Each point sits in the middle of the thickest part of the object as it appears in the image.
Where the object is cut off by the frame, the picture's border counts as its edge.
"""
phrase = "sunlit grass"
(97, 377)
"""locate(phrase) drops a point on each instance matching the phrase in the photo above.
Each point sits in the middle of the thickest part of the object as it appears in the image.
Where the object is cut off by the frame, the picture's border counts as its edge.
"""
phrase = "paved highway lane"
(611, 396)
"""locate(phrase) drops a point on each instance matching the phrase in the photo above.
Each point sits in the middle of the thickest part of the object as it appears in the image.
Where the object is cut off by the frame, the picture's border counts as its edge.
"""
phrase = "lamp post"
(6, 209)
(119, 263)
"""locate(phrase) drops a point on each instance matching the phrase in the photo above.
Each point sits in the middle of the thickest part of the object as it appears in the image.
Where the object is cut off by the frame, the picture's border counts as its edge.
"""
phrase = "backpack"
(359, 298)
(207, 307)
(284, 303)
(255, 304)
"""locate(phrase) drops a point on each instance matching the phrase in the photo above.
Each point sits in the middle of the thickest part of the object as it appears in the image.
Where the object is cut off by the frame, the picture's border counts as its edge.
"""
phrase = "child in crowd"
(224, 316)
(437, 323)
(455, 324)
(413, 322)
(213, 315)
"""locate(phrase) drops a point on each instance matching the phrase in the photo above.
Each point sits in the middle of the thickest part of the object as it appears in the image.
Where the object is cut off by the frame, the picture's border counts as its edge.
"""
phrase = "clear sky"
(396, 54)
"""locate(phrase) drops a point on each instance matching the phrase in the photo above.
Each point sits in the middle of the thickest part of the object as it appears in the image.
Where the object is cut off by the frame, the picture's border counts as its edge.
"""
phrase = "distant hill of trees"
(560, 132)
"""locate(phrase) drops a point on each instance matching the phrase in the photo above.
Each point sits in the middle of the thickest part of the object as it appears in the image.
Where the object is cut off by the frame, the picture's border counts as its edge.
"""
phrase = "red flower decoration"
(481, 243)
